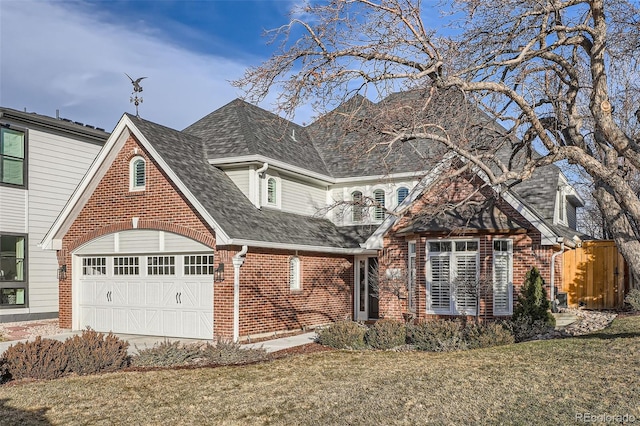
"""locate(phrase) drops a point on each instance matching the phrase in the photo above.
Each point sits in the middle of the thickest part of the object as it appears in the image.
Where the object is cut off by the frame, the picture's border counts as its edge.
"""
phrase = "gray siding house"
(42, 160)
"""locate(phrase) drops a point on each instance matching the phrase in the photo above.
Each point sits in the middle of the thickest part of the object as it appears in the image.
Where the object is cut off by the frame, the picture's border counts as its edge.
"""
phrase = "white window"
(378, 210)
(502, 277)
(94, 266)
(126, 266)
(161, 265)
(198, 265)
(138, 174)
(357, 208)
(401, 194)
(411, 284)
(272, 191)
(452, 276)
(294, 273)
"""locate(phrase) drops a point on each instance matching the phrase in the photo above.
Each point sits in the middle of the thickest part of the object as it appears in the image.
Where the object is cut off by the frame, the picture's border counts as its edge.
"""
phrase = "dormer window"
(138, 174)
(272, 191)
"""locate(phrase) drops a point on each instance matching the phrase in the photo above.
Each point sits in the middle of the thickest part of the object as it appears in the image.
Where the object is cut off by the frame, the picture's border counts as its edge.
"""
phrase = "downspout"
(257, 195)
(552, 292)
(238, 260)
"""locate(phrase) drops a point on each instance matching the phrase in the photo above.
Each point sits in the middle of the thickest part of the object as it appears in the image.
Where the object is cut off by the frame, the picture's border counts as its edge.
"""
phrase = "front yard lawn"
(544, 382)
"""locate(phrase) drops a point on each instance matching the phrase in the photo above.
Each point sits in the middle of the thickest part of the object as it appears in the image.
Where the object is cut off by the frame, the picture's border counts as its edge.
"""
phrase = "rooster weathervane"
(137, 88)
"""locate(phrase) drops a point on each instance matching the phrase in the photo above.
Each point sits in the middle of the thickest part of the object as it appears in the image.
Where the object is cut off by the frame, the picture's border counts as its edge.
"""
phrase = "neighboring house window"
(452, 276)
(294, 273)
(161, 265)
(12, 258)
(357, 209)
(12, 156)
(126, 266)
(378, 210)
(272, 191)
(411, 284)
(502, 277)
(402, 193)
(198, 265)
(94, 266)
(138, 174)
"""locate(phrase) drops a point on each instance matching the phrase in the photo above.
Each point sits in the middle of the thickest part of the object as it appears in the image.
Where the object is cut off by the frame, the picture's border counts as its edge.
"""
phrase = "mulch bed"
(309, 348)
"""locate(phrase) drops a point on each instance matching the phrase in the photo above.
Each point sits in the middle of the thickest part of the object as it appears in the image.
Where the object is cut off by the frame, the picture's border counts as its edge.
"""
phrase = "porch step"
(564, 319)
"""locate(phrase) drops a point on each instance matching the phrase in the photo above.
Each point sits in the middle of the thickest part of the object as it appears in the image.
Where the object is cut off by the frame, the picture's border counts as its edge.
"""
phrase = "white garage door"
(152, 294)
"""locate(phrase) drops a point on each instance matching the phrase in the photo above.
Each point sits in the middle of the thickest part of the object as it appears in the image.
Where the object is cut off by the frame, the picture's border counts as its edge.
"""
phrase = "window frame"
(198, 265)
(452, 255)
(295, 273)
(509, 255)
(357, 207)
(277, 190)
(133, 174)
(404, 189)
(17, 284)
(379, 208)
(25, 155)
(412, 275)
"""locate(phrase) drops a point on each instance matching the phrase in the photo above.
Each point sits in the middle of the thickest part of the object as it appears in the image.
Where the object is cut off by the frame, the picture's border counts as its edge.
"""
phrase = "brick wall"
(527, 251)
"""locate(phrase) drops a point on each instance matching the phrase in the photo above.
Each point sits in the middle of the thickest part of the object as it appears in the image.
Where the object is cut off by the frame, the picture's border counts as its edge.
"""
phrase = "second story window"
(138, 178)
(12, 156)
(402, 193)
(379, 210)
(357, 208)
(272, 191)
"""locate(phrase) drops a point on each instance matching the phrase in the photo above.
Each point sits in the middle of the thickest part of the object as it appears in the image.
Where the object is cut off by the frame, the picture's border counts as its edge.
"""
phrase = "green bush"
(525, 328)
(437, 335)
(386, 334)
(93, 352)
(166, 354)
(532, 301)
(633, 299)
(485, 335)
(38, 359)
(226, 352)
(343, 335)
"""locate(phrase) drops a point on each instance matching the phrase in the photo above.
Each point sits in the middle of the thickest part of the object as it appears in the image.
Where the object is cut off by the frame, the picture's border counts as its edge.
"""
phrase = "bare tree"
(559, 75)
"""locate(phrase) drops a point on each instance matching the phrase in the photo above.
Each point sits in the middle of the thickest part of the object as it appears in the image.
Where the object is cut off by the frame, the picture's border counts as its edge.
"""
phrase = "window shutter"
(501, 283)
(357, 208)
(139, 174)
(379, 211)
(440, 286)
(402, 194)
(271, 191)
(466, 283)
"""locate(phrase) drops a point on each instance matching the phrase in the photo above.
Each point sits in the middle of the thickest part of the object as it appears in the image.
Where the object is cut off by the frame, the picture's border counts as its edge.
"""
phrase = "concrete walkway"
(142, 342)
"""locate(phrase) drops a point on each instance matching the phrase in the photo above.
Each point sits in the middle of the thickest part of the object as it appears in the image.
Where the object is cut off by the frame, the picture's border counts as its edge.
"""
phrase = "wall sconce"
(218, 274)
(62, 272)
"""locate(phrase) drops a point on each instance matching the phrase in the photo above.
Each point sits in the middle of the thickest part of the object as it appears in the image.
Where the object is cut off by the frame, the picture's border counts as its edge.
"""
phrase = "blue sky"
(71, 56)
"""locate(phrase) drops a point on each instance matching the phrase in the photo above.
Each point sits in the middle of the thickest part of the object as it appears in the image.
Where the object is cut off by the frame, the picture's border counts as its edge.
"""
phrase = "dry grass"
(529, 383)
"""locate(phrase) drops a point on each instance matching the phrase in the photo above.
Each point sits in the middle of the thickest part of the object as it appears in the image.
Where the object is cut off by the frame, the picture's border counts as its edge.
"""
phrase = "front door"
(366, 288)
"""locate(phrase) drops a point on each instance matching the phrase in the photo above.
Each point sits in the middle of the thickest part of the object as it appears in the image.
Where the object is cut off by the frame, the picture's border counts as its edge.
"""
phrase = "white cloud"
(63, 56)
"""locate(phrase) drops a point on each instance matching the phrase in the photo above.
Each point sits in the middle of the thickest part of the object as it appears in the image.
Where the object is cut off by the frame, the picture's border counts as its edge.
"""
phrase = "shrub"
(437, 335)
(532, 300)
(343, 335)
(386, 334)
(166, 354)
(486, 335)
(4, 375)
(524, 327)
(226, 352)
(93, 352)
(633, 299)
(38, 359)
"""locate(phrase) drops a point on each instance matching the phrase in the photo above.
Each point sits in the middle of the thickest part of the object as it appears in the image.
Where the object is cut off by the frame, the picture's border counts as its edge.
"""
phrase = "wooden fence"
(595, 276)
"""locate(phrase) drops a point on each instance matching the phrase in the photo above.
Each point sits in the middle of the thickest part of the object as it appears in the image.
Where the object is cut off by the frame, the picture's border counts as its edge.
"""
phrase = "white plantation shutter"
(502, 258)
(440, 286)
(466, 279)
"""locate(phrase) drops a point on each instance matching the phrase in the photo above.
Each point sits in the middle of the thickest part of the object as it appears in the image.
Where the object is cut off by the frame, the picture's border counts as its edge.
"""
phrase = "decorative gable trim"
(123, 130)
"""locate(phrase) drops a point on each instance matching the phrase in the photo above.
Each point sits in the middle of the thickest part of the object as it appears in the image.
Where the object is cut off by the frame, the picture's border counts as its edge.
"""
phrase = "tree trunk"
(620, 228)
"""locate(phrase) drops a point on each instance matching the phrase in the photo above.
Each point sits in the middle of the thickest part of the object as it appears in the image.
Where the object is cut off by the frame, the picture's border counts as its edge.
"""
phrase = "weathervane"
(137, 88)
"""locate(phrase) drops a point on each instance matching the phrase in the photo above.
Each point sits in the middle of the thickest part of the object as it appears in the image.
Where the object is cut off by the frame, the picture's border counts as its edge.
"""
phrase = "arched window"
(378, 210)
(402, 193)
(294, 273)
(357, 209)
(138, 178)
(272, 191)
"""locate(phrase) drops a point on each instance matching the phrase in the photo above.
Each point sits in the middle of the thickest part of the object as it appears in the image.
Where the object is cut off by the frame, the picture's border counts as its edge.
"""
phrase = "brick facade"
(267, 304)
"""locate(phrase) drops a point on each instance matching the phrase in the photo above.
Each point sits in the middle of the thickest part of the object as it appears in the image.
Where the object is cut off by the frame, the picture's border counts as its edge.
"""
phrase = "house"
(224, 229)
(42, 160)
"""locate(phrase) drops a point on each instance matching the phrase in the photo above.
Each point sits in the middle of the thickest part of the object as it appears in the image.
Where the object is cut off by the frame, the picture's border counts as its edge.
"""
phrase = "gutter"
(238, 260)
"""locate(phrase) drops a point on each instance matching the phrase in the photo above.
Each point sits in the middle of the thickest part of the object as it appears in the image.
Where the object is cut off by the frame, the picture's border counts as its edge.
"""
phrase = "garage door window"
(94, 266)
(126, 266)
(161, 265)
(198, 265)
